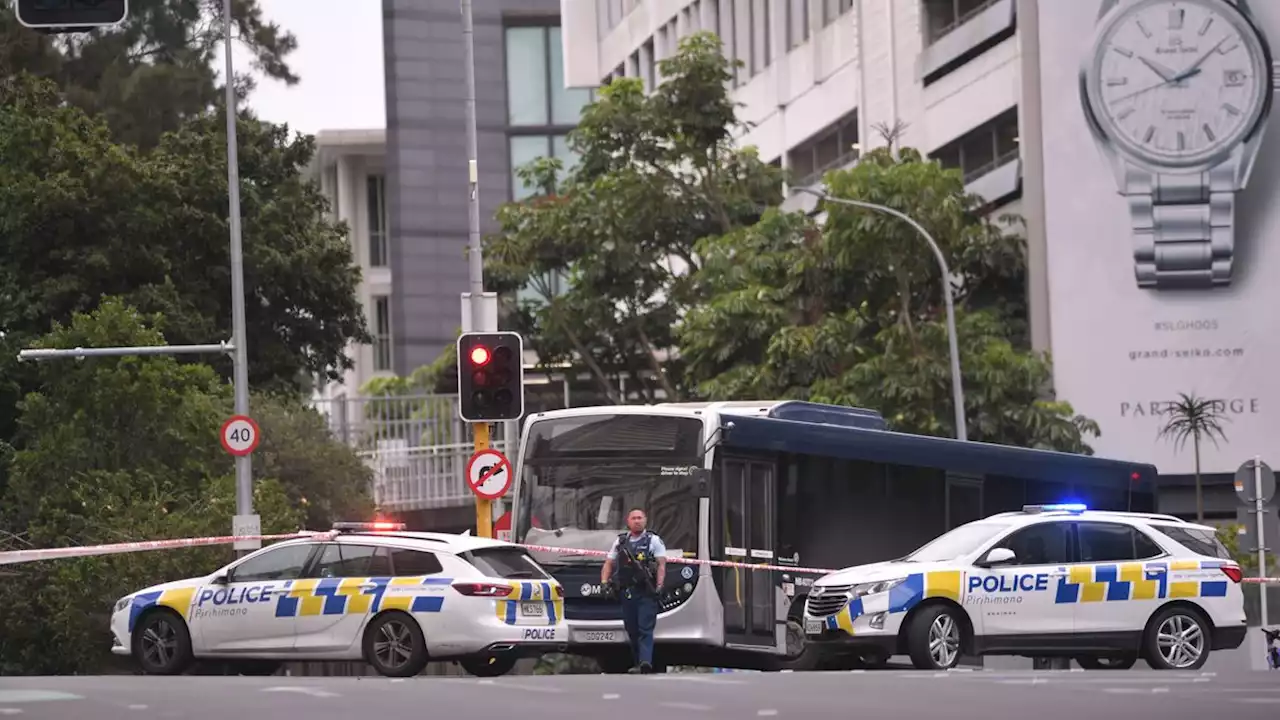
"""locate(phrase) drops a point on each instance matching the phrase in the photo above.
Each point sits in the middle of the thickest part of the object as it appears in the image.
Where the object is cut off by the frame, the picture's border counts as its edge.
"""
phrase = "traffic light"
(71, 15)
(490, 376)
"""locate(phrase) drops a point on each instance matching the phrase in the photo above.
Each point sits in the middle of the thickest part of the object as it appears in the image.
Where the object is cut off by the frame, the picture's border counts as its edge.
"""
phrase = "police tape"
(11, 557)
(20, 556)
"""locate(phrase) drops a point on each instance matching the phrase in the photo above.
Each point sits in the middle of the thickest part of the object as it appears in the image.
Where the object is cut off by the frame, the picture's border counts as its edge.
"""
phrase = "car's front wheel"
(488, 665)
(394, 645)
(934, 638)
(1177, 638)
(162, 643)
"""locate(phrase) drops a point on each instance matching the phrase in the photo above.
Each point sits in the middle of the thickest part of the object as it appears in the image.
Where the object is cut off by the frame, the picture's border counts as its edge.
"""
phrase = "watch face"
(1177, 82)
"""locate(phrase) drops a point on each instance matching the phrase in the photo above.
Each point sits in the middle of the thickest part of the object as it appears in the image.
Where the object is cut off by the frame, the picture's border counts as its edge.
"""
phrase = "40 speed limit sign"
(240, 435)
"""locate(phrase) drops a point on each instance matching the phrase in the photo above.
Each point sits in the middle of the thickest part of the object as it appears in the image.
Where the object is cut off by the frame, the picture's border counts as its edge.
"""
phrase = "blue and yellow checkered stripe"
(178, 600)
(527, 592)
(909, 593)
(357, 596)
(1138, 581)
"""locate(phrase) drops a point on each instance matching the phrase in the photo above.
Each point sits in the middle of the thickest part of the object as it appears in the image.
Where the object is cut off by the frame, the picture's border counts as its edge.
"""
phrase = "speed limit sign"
(240, 435)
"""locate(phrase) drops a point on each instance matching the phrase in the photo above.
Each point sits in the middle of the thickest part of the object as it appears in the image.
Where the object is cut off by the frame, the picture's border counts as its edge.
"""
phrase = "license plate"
(597, 636)
(533, 609)
(812, 626)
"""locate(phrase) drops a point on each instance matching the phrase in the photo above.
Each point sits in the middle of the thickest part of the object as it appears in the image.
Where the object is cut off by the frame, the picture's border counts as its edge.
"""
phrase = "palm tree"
(1194, 417)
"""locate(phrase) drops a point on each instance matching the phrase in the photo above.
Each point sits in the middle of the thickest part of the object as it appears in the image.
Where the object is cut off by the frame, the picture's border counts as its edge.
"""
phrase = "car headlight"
(123, 603)
(875, 588)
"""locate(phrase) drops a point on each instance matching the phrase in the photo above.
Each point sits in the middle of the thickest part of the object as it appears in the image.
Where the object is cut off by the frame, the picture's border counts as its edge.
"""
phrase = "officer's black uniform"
(636, 581)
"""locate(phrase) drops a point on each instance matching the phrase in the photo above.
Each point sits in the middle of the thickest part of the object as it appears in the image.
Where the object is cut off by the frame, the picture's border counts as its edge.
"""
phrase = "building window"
(797, 23)
(983, 149)
(540, 110)
(381, 333)
(833, 147)
(377, 191)
(943, 16)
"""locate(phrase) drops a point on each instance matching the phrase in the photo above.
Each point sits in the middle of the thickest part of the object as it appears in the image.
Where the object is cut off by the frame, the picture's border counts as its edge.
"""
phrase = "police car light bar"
(1061, 507)
(369, 526)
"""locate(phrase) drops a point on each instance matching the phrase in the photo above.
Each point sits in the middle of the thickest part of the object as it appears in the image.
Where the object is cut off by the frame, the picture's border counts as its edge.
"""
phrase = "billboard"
(1162, 219)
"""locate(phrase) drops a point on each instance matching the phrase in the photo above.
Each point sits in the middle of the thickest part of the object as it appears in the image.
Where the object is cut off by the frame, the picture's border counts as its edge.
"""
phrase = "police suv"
(1104, 588)
(367, 591)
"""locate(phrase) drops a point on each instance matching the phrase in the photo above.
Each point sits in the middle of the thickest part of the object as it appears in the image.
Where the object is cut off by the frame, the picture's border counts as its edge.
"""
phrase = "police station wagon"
(1104, 588)
(392, 598)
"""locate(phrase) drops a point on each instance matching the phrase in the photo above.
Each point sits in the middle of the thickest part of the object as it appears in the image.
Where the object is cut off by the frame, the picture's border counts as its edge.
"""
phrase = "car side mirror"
(222, 579)
(998, 556)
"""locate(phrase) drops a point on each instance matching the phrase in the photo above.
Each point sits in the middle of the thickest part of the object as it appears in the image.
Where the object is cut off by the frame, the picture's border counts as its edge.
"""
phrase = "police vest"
(629, 573)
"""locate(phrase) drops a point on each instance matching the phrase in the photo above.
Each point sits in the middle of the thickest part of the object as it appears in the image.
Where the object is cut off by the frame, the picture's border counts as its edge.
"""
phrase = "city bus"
(784, 483)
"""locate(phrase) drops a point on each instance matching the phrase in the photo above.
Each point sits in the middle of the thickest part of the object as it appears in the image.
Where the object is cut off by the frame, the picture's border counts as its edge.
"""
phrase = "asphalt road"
(1068, 695)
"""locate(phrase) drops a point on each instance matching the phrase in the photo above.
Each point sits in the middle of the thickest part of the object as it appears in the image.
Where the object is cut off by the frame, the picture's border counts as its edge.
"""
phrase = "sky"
(339, 59)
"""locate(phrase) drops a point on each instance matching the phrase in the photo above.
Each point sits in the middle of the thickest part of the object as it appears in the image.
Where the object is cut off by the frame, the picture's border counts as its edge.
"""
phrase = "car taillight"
(1233, 572)
(482, 589)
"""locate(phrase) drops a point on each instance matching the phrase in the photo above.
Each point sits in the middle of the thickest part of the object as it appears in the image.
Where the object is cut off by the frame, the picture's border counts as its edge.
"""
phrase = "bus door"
(746, 527)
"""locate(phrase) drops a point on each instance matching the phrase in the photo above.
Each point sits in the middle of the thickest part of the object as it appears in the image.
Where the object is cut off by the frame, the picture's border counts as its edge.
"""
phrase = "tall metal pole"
(957, 387)
(475, 258)
(1260, 514)
(240, 362)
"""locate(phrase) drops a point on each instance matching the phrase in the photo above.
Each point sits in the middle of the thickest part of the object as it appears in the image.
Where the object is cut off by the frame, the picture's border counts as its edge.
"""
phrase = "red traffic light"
(479, 355)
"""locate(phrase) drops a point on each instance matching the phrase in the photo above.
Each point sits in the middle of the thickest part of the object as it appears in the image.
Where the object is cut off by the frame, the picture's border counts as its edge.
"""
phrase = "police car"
(1104, 588)
(366, 591)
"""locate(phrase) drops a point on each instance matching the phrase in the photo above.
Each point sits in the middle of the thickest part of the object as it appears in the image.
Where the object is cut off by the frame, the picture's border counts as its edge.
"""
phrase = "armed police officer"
(639, 559)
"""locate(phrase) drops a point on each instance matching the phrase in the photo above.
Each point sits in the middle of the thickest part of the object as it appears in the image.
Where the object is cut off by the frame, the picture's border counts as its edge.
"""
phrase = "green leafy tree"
(82, 217)
(154, 71)
(113, 450)
(1194, 418)
(607, 246)
(1229, 535)
(852, 312)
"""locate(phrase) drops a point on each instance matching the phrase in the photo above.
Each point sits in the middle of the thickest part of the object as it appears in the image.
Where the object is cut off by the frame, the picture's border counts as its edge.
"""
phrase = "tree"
(113, 449)
(607, 245)
(1196, 418)
(82, 217)
(153, 72)
(851, 313)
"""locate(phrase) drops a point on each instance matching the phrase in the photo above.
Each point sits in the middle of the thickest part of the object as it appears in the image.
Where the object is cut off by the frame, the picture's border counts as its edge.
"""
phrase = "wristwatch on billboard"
(1177, 95)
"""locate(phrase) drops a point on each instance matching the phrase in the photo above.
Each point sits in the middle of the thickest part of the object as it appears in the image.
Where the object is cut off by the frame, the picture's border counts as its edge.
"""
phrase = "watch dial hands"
(1195, 66)
(1171, 81)
(1165, 73)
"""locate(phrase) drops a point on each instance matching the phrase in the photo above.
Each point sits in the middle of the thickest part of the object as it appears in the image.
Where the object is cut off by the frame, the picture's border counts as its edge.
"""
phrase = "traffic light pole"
(475, 258)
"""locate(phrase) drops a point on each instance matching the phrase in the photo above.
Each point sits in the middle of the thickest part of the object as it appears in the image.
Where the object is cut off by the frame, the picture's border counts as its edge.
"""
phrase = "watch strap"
(1183, 227)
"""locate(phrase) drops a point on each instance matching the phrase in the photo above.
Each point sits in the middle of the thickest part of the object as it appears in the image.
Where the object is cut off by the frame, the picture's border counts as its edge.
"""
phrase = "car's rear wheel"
(1177, 638)
(1109, 662)
(934, 638)
(488, 665)
(394, 645)
(162, 644)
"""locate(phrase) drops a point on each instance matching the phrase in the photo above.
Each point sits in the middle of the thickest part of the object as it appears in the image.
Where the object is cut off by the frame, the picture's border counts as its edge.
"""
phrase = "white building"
(350, 168)
(819, 76)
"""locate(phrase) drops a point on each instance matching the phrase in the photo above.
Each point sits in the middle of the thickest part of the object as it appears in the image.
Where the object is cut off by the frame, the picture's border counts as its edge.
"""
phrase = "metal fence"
(416, 445)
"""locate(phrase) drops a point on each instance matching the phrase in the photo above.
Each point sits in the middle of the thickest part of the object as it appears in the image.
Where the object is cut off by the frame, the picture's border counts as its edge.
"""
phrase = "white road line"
(531, 688)
(685, 706)
(1136, 691)
(137, 707)
(766, 713)
(610, 696)
(301, 690)
(10, 711)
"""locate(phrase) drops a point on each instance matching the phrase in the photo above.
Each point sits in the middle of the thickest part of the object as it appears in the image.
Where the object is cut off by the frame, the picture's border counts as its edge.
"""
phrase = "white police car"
(367, 591)
(1104, 588)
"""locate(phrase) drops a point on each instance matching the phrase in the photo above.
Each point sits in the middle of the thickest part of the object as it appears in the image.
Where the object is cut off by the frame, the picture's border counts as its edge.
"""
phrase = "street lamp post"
(957, 388)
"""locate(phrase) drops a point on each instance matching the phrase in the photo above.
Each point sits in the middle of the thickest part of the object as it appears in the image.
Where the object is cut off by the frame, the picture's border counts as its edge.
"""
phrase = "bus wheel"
(801, 654)
(934, 638)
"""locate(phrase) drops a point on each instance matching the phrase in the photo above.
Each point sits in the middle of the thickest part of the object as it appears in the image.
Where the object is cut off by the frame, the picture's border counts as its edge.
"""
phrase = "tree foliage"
(121, 449)
(82, 217)
(154, 71)
(617, 233)
(1194, 418)
(852, 312)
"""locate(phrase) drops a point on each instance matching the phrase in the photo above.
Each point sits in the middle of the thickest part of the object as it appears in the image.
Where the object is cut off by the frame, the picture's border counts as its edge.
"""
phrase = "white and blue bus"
(779, 483)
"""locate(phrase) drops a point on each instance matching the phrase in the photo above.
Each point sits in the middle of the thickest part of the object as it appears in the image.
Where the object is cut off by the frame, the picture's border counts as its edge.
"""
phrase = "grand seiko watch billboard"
(1162, 218)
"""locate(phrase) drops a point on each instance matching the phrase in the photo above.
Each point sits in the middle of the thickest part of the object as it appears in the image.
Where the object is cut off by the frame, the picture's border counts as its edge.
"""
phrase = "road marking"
(532, 688)
(611, 696)
(19, 696)
(301, 690)
(685, 706)
(10, 711)
(137, 707)
(1136, 691)
(766, 713)
(1030, 681)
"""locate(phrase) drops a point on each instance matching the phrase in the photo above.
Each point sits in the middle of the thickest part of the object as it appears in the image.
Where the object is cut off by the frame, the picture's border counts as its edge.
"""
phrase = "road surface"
(1049, 695)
